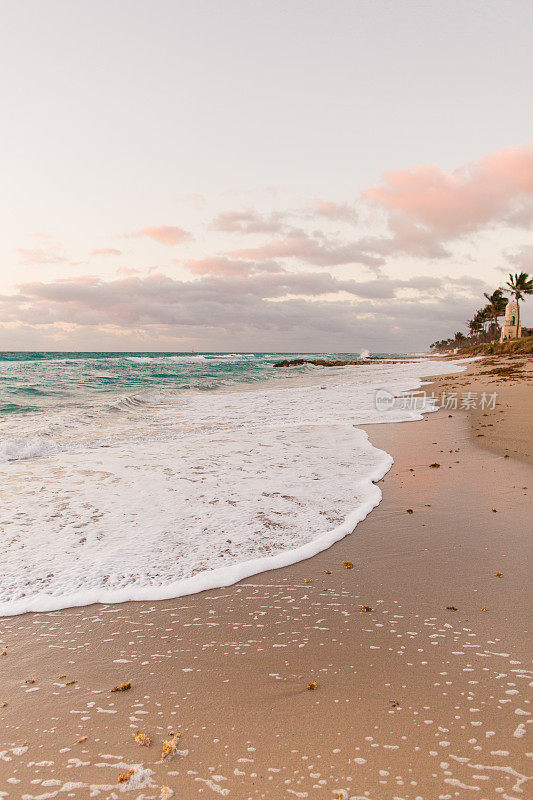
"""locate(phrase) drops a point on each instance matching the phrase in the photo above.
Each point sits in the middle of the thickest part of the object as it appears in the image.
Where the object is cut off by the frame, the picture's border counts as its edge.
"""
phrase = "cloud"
(52, 254)
(260, 302)
(407, 239)
(284, 285)
(192, 199)
(48, 252)
(340, 212)
(106, 251)
(426, 206)
(164, 234)
(278, 310)
(521, 259)
(222, 266)
(248, 221)
(318, 249)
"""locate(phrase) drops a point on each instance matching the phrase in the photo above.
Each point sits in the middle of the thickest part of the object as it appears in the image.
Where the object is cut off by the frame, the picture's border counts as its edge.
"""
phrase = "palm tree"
(481, 316)
(518, 286)
(487, 316)
(496, 307)
(478, 317)
(474, 326)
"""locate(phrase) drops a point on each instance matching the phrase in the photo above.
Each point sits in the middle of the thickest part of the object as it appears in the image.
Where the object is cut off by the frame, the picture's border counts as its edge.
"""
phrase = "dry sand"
(412, 700)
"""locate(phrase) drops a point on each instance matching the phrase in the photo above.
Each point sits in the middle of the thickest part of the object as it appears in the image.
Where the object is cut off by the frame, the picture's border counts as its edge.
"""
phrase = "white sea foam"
(199, 492)
(192, 357)
(20, 449)
(134, 402)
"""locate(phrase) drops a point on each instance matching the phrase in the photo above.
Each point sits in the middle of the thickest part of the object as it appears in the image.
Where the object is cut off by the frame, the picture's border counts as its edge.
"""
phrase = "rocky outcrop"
(322, 362)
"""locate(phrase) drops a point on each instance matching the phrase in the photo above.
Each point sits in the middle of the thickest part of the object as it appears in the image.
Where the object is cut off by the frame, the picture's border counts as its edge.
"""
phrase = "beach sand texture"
(424, 696)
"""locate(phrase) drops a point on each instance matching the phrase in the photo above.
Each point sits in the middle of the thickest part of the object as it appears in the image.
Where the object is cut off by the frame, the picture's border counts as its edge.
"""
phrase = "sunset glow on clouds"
(164, 234)
(173, 201)
(496, 189)
(289, 279)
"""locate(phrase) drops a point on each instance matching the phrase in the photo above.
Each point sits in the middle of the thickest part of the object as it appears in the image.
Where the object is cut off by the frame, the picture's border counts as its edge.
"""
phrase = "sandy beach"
(425, 695)
(266, 395)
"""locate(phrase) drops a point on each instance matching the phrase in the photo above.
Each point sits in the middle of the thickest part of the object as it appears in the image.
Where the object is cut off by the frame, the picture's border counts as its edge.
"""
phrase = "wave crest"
(20, 449)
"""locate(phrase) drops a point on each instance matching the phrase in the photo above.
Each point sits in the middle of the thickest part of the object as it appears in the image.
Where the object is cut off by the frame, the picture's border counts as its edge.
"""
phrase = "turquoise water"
(126, 476)
(43, 382)
(52, 402)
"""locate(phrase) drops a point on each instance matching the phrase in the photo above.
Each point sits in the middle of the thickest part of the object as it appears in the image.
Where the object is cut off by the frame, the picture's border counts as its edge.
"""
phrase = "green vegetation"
(518, 347)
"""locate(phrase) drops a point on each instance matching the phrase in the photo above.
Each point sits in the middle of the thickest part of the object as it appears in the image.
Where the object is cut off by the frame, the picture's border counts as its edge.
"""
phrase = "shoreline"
(325, 420)
(413, 700)
(224, 577)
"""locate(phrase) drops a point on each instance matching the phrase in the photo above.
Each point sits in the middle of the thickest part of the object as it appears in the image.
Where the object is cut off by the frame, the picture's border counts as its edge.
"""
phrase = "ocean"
(140, 476)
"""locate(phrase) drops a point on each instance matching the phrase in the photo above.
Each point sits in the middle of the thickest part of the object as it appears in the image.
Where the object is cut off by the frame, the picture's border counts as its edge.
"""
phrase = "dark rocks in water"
(318, 362)
(322, 362)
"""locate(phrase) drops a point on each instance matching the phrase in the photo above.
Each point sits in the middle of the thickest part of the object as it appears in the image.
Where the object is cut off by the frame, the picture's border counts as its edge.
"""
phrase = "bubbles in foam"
(195, 492)
(20, 449)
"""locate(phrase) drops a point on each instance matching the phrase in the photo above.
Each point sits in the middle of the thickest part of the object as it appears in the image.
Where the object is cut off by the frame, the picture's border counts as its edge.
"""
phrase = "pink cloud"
(226, 267)
(53, 254)
(497, 188)
(341, 212)
(248, 221)
(318, 250)
(106, 251)
(164, 234)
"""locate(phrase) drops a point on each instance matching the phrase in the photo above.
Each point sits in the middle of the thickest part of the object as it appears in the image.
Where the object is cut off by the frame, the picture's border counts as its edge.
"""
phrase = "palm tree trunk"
(517, 318)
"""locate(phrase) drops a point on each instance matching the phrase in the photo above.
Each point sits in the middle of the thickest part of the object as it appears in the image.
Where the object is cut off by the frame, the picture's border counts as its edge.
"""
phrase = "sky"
(293, 175)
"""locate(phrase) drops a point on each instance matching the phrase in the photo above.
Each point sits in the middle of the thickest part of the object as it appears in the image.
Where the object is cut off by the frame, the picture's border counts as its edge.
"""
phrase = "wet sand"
(413, 701)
